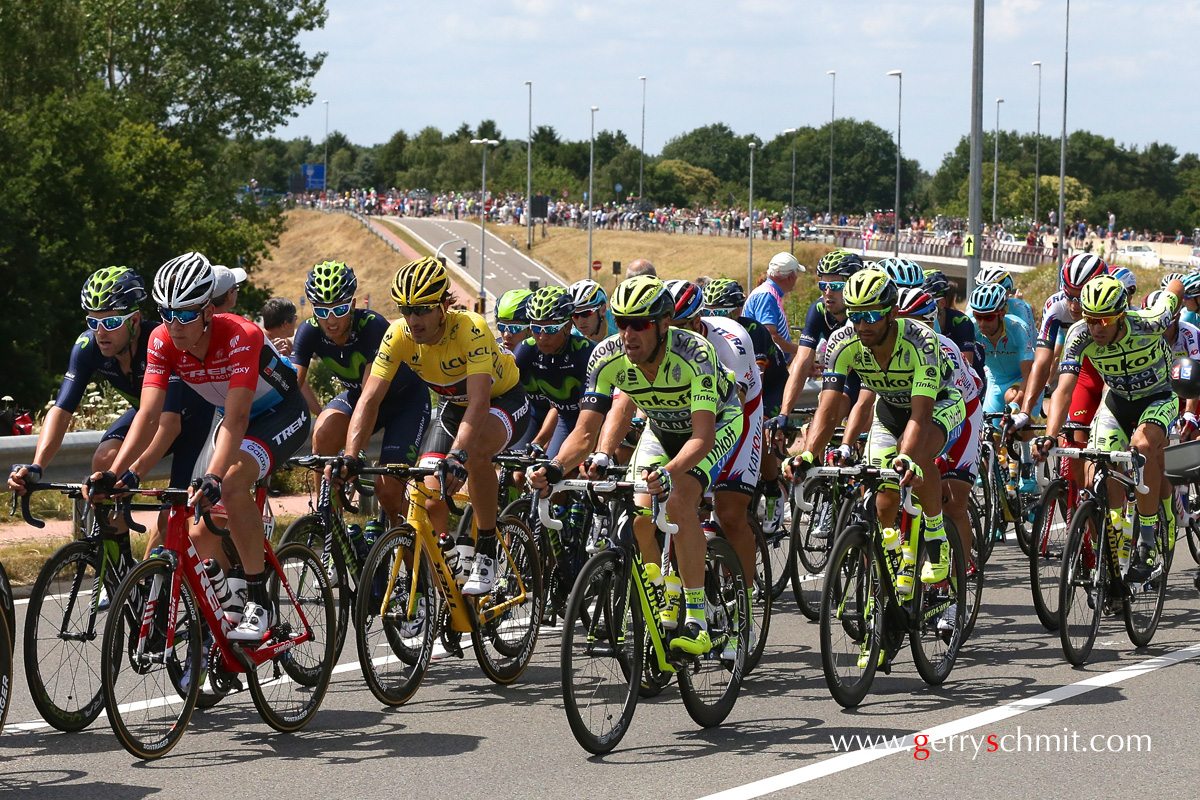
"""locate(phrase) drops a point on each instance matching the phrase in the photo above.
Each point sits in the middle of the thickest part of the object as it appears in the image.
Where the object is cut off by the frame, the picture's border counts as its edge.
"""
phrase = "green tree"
(715, 148)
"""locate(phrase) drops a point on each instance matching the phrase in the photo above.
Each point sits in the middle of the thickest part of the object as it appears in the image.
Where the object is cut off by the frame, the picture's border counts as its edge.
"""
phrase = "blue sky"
(758, 66)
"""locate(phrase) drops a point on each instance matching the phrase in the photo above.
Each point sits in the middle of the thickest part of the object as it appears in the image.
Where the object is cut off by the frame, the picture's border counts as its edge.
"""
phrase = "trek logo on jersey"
(233, 342)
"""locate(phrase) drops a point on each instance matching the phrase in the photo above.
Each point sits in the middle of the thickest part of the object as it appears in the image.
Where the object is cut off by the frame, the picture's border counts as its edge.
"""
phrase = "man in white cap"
(765, 303)
(225, 287)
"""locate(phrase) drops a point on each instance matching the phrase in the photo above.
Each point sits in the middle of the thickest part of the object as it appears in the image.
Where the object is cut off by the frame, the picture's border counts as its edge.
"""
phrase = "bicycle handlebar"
(657, 508)
(858, 470)
(1130, 458)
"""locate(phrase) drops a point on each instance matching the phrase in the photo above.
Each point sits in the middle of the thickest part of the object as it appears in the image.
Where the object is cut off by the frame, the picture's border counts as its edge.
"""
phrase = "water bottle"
(238, 594)
(673, 601)
(449, 554)
(576, 518)
(1126, 538)
(891, 539)
(374, 529)
(598, 538)
(656, 597)
(358, 542)
(216, 577)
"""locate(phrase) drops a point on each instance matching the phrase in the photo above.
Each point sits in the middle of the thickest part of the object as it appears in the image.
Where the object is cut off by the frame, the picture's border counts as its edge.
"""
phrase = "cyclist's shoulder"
(607, 351)
(842, 337)
(689, 347)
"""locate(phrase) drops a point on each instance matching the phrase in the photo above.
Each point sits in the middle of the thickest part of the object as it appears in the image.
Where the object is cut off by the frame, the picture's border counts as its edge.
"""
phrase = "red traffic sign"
(596, 265)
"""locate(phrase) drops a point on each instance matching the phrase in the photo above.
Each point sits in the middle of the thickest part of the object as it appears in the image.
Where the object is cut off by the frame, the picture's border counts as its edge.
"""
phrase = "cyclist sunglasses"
(550, 328)
(982, 317)
(831, 286)
(718, 312)
(635, 323)
(170, 315)
(323, 312)
(108, 323)
(585, 313)
(1104, 321)
(416, 311)
(866, 316)
(511, 327)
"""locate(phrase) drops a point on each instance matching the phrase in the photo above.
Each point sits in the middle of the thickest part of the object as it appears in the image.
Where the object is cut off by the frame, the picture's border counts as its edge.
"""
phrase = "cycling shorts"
(1085, 400)
(404, 419)
(740, 473)
(651, 452)
(511, 408)
(961, 461)
(195, 423)
(949, 417)
(1116, 422)
(271, 438)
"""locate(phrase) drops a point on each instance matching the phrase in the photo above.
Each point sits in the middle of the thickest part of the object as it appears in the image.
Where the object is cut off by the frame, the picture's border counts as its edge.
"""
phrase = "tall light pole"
(1037, 152)
(832, 118)
(483, 223)
(792, 246)
(975, 193)
(529, 174)
(899, 100)
(325, 168)
(996, 159)
(1062, 157)
(750, 227)
(642, 147)
(591, 198)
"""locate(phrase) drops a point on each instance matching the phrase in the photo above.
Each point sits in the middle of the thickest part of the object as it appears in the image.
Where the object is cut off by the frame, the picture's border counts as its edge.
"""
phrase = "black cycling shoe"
(1141, 564)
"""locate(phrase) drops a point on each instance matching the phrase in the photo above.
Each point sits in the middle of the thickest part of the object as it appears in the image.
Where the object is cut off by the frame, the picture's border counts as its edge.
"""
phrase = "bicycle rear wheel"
(709, 684)
(1050, 527)
(760, 598)
(1193, 526)
(148, 693)
(779, 542)
(8, 607)
(601, 652)
(851, 616)
(1143, 609)
(288, 689)
(6, 666)
(504, 645)
(933, 647)
(1082, 583)
(309, 531)
(393, 650)
(975, 565)
(984, 494)
(812, 535)
(64, 629)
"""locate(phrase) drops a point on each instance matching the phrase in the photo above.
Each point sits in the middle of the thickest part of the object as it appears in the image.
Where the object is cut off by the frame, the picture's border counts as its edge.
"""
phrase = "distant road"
(505, 267)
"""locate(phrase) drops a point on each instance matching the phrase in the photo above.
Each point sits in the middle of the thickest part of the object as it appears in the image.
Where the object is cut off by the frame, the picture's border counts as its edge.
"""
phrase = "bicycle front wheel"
(288, 689)
(150, 688)
(851, 617)
(779, 541)
(1081, 583)
(601, 653)
(6, 667)
(1143, 609)
(709, 684)
(7, 606)
(309, 531)
(504, 645)
(1050, 527)
(760, 598)
(941, 623)
(812, 535)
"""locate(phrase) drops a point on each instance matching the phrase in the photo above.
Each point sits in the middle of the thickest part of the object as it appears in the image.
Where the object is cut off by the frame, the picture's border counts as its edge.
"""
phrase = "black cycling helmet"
(1185, 378)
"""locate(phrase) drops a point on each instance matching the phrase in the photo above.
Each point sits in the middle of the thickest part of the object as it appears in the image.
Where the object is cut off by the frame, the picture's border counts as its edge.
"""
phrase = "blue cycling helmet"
(989, 298)
(1191, 285)
(1125, 276)
(904, 273)
(687, 299)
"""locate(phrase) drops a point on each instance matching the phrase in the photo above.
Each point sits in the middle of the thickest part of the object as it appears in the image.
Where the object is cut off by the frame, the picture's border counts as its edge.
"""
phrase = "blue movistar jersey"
(556, 378)
(350, 362)
(1190, 317)
(87, 362)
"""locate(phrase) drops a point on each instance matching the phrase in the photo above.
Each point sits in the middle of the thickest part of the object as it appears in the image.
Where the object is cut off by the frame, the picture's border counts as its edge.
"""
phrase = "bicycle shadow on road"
(38, 783)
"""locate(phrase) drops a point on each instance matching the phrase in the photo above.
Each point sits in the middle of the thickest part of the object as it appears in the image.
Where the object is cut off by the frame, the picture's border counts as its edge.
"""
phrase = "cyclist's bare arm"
(820, 431)
(1026, 369)
(169, 425)
(1060, 403)
(366, 411)
(479, 401)
(546, 432)
(696, 448)
(54, 428)
(310, 397)
(578, 445)
(1039, 375)
(797, 375)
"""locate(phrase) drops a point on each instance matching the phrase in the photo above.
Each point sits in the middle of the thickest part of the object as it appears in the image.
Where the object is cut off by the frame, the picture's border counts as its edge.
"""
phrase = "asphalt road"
(505, 267)
(465, 737)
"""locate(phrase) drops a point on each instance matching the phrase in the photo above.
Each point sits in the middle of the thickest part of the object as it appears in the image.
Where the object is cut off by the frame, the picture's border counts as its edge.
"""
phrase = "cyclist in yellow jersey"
(484, 407)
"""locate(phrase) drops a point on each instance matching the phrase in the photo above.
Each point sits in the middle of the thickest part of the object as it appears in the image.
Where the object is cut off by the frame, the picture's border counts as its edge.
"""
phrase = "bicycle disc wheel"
(309, 531)
(6, 666)
(709, 684)
(64, 629)
(1050, 527)
(812, 533)
(975, 568)
(1143, 609)
(601, 653)
(394, 651)
(760, 598)
(504, 645)
(147, 695)
(851, 616)
(288, 689)
(1081, 584)
(933, 647)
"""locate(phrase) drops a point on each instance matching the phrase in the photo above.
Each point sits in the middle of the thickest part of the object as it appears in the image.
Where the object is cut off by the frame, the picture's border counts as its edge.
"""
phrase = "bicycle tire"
(6, 666)
(120, 667)
(807, 555)
(708, 684)
(850, 597)
(935, 651)
(983, 496)
(600, 717)
(288, 689)
(380, 641)
(1019, 504)
(504, 646)
(1050, 527)
(1143, 609)
(8, 606)
(975, 566)
(68, 691)
(779, 543)
(308, 531)
(760, 598)
(1077, 626)
(1193, 526)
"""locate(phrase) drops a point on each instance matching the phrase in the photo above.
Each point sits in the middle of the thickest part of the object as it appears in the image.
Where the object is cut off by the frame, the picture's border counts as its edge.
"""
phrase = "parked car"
(1194, 259)
(1138, 255)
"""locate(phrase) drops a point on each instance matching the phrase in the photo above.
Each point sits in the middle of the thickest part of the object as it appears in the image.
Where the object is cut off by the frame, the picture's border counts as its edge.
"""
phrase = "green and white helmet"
(551, 304)
(112, 289)
(513, 306)
(642, 296)
(330, 282)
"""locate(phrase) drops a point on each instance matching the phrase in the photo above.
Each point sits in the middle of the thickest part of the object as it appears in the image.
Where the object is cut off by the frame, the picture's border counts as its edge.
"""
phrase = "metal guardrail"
(1008, 253)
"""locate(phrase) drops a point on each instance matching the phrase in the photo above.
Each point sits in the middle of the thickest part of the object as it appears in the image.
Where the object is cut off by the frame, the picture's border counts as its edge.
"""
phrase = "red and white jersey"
(239, 357)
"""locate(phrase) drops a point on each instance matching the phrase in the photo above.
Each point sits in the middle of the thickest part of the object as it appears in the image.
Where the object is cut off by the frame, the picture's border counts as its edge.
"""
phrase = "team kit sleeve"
(159, 358)
(392, 351)
(482, 349)
(598, 388)
(305, 343)
(245, 352)
(927, 363)
(839, 355)
(79, 373)
(815, 327)
(1048, 332)
(1078, 339)
(704, 379)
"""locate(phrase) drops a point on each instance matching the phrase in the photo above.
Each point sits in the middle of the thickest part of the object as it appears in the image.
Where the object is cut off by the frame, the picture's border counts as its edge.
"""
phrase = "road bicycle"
(1051, 523)
(614, 630)
(153, 668)
(1092, 581)
(865, 615)
(414, 596)
(761, 581)
(1000, 496)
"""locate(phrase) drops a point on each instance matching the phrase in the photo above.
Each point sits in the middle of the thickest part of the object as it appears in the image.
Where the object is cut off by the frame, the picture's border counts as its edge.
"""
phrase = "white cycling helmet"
(184, 281)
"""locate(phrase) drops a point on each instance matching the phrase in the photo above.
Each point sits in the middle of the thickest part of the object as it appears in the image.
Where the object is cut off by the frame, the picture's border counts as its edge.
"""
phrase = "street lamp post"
(1062, 157)
(832, 118)
(975, 183)
(792, 246)
(483, 223)
(642, 147)
(996, 159)
(591, 198)
(325, 168)
(1037, 153)
(899, 100)
(529, 174)
(750, 227)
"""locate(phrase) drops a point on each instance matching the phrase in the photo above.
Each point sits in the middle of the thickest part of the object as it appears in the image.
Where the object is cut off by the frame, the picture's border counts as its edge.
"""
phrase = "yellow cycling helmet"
(870, 287)
(1103, 296)
(643, 296)
(421, 283)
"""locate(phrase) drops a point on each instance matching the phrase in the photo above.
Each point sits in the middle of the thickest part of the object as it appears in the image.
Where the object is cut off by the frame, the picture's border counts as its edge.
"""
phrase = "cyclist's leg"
(769, 471)
(960, 466)
(648, 454)
(404, 420)
(880, 451)
(329, 430)
(195, 424)
(949, 421)
(735, 486)
(1150, 439)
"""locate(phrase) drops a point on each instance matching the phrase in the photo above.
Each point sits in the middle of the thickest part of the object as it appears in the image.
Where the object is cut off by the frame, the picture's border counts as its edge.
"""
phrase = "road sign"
(596, 265)
(566, 193)
(616, 268)
(969, 245)
(314, 176)
(618, 188)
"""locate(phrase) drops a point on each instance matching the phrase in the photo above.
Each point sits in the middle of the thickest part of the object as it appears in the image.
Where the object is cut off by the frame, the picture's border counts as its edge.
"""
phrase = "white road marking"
(991, 716)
